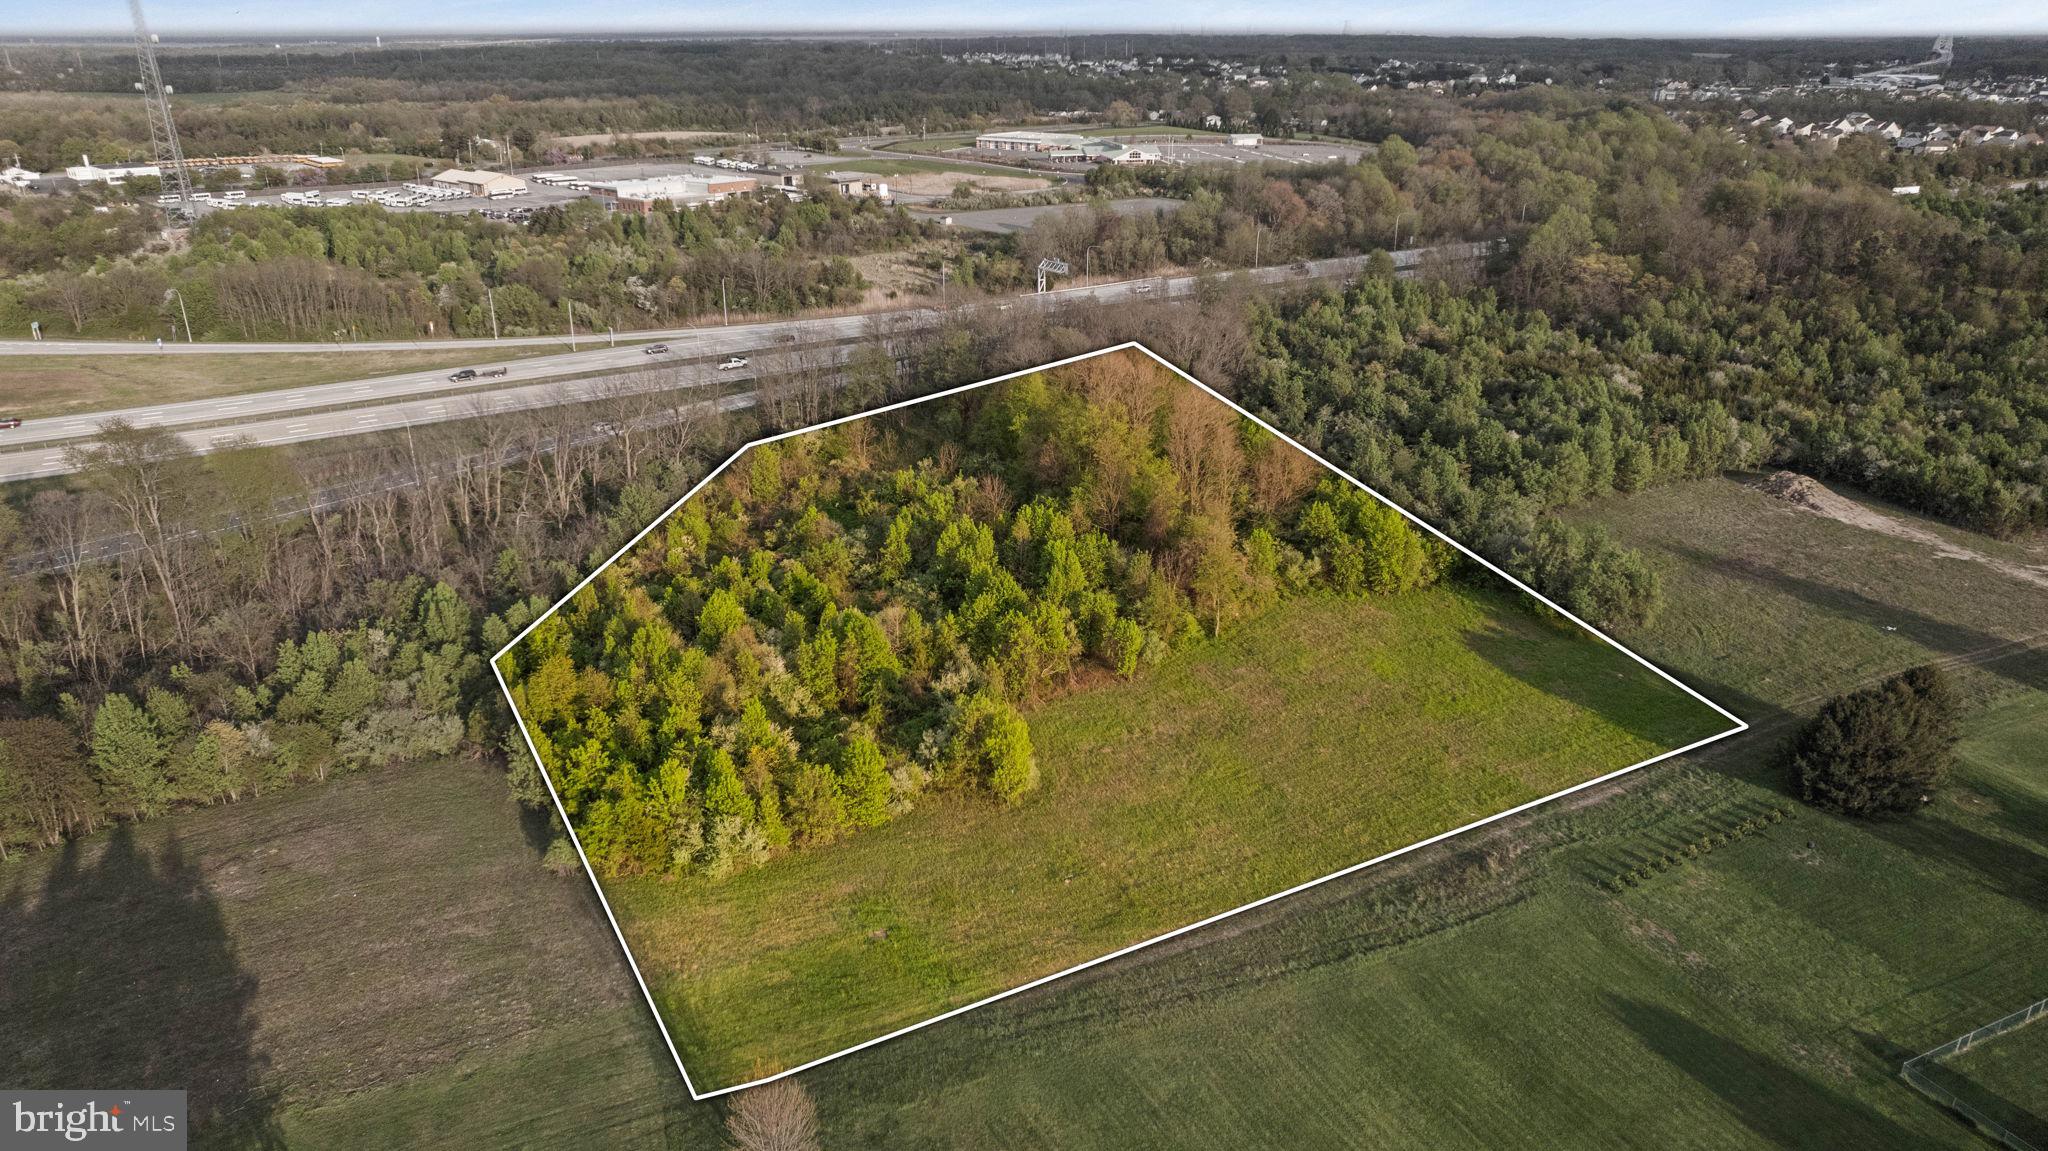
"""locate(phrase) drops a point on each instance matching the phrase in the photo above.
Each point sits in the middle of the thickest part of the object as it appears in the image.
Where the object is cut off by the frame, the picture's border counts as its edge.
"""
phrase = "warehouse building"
(481, 183)
(645, 195)
(1026, 141)
(86, 172)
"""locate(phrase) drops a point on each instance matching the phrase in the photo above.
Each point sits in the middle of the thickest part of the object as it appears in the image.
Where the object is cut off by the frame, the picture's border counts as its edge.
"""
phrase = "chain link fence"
(1912, 1073)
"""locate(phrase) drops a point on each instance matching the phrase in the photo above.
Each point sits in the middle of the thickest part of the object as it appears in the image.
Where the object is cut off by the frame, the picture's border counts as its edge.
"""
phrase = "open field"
(376, 961)
(1021, 219)
(44, 386)
(891, 166)
(1485, 993)
(1319, 735)
(1494, 996)
(673, 136)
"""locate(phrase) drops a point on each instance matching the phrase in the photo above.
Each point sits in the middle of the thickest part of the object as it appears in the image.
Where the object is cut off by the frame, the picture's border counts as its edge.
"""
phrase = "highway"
(290, 415)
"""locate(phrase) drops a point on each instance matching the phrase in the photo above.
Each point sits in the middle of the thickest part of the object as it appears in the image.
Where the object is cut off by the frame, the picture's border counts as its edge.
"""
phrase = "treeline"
(361, 272)
(850, 618)
(390, 690)
(434, 102)
(258, 617)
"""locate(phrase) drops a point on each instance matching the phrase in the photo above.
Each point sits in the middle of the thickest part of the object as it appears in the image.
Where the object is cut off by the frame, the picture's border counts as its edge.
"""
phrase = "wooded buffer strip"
(850, 617)
(361, 272)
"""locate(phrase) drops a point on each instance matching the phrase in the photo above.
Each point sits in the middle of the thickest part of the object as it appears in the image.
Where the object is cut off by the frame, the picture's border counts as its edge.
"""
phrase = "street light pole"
(724, 308)
(570, 306)
(491, 297)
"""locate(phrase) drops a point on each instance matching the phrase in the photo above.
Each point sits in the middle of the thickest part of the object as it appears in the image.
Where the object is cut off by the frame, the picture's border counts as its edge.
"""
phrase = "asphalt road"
(290, 415)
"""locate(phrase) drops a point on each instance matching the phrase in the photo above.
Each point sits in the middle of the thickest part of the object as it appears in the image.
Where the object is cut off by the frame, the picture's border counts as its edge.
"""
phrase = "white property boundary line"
(1740, 724)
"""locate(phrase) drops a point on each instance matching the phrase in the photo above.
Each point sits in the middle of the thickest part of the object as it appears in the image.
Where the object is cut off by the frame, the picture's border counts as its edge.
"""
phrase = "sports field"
(1315, 737)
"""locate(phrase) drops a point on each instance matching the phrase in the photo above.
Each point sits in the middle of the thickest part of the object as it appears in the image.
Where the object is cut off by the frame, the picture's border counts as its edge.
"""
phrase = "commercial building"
(86, 172)
(858, 184)
(481, 183)
(1026, 141)
(645, 195)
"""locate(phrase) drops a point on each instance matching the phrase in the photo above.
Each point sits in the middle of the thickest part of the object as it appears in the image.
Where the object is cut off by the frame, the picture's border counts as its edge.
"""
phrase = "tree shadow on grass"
(1940, 636)
(2017, 870)
(1617, 689)
(119, 973)
(2026, 1123)
(1781, 1104)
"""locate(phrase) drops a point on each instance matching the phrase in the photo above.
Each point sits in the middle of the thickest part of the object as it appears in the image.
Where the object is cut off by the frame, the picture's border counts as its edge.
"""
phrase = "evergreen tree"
(864, 781)
(1881, 750)
(128, 755)
(725, 796)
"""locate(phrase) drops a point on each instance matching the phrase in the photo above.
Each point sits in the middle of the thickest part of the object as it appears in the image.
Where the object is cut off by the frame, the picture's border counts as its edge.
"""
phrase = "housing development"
(799, 578)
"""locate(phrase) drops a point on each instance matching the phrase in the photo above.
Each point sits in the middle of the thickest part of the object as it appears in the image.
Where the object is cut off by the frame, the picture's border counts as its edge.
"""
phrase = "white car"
(732, 362)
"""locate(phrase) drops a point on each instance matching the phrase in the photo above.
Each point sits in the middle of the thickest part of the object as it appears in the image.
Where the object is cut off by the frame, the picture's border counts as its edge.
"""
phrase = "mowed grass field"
(1491, 992)
(1486, 992)
(2007, 1079)
(1321, 734)
(43, 386)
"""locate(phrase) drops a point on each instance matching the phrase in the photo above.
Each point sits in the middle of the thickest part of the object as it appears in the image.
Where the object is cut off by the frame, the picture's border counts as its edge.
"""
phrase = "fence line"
(1912, 1074)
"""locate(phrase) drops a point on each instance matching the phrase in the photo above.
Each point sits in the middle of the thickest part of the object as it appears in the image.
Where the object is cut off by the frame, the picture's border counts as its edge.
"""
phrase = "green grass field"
(1315, 737)
(894, 167)
(2006, 1078)
(1482, 993)
(372, 962)
(45, 386)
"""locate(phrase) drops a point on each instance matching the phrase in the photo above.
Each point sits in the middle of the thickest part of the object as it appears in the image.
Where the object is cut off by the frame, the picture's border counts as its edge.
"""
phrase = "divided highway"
(288, 415)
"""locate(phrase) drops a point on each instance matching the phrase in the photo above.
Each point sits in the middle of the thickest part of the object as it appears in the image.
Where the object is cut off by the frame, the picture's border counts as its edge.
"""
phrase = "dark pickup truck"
(473, 374)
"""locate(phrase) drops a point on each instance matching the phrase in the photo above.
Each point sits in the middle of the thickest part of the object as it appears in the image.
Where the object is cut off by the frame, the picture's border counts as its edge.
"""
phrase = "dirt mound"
(1811, 495)
(1795, 488)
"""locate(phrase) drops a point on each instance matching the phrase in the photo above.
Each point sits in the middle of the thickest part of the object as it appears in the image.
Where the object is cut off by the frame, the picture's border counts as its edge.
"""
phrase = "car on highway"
(657, 349)
(732, 362)
(10, 422)
(464, 374)
(1142, 288)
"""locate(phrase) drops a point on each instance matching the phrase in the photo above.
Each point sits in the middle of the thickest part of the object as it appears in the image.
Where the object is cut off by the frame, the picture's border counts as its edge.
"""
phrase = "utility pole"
(724, 309)
(491, 297)
(156, 99)
(1258, 233)
(569, 306)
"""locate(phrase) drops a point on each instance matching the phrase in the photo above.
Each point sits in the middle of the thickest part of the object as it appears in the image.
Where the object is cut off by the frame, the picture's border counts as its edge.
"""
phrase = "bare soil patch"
(1811, 495)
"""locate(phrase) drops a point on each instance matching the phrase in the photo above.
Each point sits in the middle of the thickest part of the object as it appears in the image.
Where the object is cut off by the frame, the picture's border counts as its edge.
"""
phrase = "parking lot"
(1269, 153)
(415, 196)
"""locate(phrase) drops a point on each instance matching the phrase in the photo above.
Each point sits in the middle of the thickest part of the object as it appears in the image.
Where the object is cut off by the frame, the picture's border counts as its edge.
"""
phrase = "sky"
(20, 19)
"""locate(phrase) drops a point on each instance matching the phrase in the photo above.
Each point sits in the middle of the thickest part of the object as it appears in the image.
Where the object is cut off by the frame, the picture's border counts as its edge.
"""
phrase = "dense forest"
(848, 618)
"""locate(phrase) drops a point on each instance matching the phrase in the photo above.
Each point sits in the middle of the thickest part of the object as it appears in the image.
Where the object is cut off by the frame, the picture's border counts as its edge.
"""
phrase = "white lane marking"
(294, 427)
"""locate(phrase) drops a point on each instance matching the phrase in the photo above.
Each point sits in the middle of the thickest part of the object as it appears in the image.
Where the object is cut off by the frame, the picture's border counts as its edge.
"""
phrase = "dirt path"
(1810, 495)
